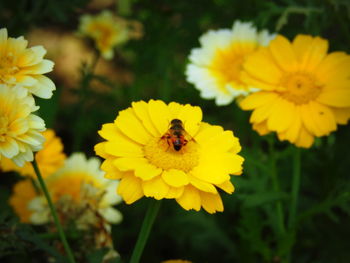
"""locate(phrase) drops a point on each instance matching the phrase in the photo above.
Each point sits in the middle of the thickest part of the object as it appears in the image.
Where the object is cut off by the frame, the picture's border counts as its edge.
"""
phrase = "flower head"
(305, 92)
(215, 68)
(23, 193)
(79, 192)
(24, 66)
(107, 30)
(20, 130)
(166, 151)
(49, 159)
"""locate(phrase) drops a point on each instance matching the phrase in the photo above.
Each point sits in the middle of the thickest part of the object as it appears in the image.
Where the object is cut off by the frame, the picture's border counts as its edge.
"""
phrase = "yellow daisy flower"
(215, 68)
(106, 29)
(305, 92)
(166, 151)
(49, 159)
(24, 66)
(20, 131)
(77, 189)
(23, 193)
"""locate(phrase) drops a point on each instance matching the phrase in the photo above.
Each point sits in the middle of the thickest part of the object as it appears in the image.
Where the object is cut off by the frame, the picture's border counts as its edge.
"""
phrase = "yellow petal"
(131, 126)
(201, 185)
(283, 53)
(335, 66)
(191, 116)
(336, 97)
(310, 51)
(141, 111)
(146, 171)
(342, 115)
(175, 178)
(305, 139)
(227, 187)
(155, 188)
(261, 66)
(318, 119)
(129, 163)
(282, 115)
(160, 115)
(257, 99)
(292, 133)
(174, 192)
(211, 202)
(130, 189)
(190, 199)
(123, 148)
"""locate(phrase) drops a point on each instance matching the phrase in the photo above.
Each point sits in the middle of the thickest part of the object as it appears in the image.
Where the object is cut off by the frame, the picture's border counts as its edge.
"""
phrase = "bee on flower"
(215, 68)
(304, 90)
(108, 31)
(163, 150)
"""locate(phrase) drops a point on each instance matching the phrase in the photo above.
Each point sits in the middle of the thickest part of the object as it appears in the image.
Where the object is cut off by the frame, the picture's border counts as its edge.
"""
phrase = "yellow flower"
(49, 159)
(20, 131)
(140, 152)
(215, 68)
(305, 92)
(77, 189)
(23, 193)
(24, 66)
(106, 30)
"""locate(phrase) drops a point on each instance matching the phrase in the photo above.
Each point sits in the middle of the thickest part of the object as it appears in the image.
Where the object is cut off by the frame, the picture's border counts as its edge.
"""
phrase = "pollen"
(163, 155)
(300, 87)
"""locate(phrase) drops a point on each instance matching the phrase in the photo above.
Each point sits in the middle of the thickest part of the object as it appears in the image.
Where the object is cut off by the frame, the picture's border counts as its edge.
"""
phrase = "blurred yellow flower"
(20, 131)
(215, 68)
(23, 193)
(305, 92)
(108, 31)
(24, 66)
(80, 193)
(49, 159)
(166, 151)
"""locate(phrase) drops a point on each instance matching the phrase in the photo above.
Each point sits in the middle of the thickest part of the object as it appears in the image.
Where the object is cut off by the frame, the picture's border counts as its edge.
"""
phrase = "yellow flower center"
(300, 87)
(7, 67)
(227, 65)
(161, 154)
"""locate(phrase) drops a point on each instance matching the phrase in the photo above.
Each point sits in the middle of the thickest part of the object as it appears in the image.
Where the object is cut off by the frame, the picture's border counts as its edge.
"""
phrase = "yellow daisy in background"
(305, 92)
(80, 193)
(166, 151)
(215, 68)
(108, 31)
(20, 131)
(23, 193)
(24, 66)
(49, 159)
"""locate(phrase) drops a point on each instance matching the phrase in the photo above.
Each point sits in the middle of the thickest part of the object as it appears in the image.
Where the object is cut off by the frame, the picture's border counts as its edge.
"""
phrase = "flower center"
(227, 65)
(7, 67)
(300, 87)
(161, 154)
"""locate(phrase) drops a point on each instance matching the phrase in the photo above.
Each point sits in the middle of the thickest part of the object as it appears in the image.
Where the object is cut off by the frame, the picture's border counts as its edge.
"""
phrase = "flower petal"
(130, 188)
(175, 178)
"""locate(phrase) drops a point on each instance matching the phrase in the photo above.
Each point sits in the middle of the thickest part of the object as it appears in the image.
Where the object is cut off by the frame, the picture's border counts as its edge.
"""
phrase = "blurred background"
(152, 66)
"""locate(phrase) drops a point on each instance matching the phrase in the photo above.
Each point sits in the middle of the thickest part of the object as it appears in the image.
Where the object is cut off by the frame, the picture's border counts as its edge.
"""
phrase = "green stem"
(53, 213)
(295, 187)
(276, 188)
(151, 214)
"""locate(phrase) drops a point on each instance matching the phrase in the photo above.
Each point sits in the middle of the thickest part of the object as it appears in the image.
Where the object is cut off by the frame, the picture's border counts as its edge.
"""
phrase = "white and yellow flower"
(215, 68)
(20, 130)
(24, 67)
(79, 188)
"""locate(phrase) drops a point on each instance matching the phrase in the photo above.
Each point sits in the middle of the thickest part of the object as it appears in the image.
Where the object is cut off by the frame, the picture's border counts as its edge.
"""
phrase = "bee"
(176, 135)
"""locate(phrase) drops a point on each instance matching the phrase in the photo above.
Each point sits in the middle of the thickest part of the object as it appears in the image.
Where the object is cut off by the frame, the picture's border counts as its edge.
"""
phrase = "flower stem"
(276, 188)
(151, 214)
(295, 187)
(53, 213)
